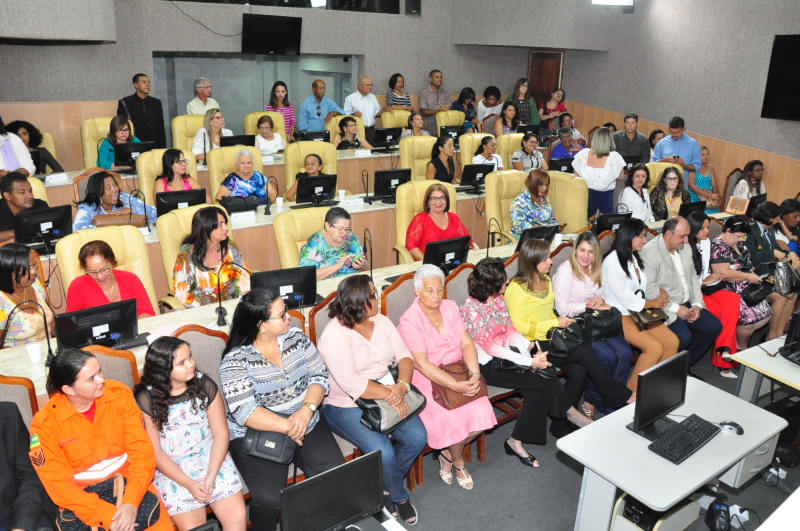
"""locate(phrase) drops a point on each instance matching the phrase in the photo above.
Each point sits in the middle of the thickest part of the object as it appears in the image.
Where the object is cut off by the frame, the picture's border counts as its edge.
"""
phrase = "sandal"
(465, 483)
(447, 477)
(407, 512)
(388, 505)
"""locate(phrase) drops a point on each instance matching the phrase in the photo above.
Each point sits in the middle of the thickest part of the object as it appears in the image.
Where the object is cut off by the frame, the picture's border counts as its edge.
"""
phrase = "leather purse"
(235, 204)
(449, 399)
(110, 220)
(564, 341)
(378, 415)
(503, 365)
(649, 316)
(601, 324)
(270, 445)
(754, 294)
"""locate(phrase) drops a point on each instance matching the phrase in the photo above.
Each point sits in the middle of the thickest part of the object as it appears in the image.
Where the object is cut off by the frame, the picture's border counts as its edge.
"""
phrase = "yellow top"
(531, 311)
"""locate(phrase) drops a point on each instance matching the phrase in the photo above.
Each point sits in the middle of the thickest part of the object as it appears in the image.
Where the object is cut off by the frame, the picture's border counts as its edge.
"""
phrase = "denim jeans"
(409, 441)
(615, 355)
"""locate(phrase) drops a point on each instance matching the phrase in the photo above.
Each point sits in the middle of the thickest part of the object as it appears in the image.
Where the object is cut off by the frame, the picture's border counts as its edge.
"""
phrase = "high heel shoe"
(447, 477)
(527, 461)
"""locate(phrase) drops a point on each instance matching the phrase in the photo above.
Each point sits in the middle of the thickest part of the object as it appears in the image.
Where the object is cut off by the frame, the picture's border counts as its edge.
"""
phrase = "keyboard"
(794, 357)
(469, 189)
(684, 439)
(128, 344)
(312, 205)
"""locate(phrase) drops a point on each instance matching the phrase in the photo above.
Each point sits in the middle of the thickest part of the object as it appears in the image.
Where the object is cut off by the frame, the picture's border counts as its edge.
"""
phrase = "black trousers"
(265, 479)
(542, 398)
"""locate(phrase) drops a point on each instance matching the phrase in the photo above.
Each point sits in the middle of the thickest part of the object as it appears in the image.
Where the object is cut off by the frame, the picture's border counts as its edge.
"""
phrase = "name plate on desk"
(363, 153)
(145, 231)
(353, 202)
(54, 178)
(264, 160)
(250, 215)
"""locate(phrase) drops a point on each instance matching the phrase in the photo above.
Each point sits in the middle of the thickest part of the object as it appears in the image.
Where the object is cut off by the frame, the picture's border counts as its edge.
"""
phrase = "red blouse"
(84, 293)
(424, 230)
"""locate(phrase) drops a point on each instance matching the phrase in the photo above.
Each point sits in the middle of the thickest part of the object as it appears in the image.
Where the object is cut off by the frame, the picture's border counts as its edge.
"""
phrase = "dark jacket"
(147, 117)
(761, 247)
(658, 201)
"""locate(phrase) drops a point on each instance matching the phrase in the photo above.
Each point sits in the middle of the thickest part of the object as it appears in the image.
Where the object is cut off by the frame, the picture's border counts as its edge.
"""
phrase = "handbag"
(270, 445)
(564, 341)
(111, 491)
(449, 399)
(754, 294)
(504, 365)
(235, 204)
(109, 220)
(787, 280)
(378, 415)
(648, 316)
(711, 289)
(601, 324)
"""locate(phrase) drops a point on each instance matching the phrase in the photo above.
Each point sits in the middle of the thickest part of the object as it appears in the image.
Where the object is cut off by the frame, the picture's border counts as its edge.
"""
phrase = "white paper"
(98, 330)
(386, 379)
(243, 216)
(353, 202)
(449, 256)
(286, 290)
(264, 160)
(183, 205)
(363, 153)
(56, 178)
(44, 226)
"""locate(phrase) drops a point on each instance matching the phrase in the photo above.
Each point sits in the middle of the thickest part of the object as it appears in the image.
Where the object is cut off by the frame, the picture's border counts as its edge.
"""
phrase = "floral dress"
(319, 253)
(195, 287)
(187, 439)
(721, 253)
(25, 327)
(526, 214)
(255, 186)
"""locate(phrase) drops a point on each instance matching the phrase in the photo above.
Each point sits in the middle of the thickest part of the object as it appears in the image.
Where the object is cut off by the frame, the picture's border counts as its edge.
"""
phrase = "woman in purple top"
(279, 102)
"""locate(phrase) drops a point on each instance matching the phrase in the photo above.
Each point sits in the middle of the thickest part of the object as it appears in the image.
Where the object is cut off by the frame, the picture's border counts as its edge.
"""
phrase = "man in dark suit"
(145, 112)
(23, 502)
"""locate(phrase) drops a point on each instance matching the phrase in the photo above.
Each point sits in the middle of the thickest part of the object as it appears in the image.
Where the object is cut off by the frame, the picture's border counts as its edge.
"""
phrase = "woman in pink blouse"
(487, 320)
(433, 331)
(436, 223)
(279, 102)
(359, 346)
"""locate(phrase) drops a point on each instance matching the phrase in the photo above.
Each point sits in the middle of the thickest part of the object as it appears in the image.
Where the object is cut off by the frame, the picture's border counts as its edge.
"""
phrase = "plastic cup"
(34, 353)
(279, 202)
(341, 194)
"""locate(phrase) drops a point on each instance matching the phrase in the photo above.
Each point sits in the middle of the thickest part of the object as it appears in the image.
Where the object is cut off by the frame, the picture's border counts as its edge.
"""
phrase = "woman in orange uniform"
(87, 433)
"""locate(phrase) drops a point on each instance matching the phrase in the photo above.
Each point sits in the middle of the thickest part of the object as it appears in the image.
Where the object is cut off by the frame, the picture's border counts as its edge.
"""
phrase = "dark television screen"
(782, 95)
(263, 34)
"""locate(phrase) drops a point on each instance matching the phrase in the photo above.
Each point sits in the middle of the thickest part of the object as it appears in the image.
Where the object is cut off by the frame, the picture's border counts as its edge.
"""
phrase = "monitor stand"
(655, 430)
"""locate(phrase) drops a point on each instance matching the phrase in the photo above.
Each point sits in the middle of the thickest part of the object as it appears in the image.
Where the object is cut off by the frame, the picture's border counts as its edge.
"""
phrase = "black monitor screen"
(388, 135)
(452, 252)
(782, 93)
(169, 201)
(388, 180)
(297, 286)
(631, 161)
(323, 187)
(694, 206)
(47, 225)
(475, 174)
(314, 136)
(609, 222)
(334, 499)
(101, 325)
(539, 233)
(237, 140)
(127, 153)
(265, 34)
(562, 165)
(453, 131)
(528, 128)
(661, 389)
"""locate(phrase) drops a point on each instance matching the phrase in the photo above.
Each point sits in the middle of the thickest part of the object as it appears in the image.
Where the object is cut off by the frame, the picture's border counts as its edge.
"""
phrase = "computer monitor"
(387, 181)
(792, 337)
(631, 161)
(41, 229)
(447, 253)
(297, 286)
(237, 140)
(125, 154)
(660, 390)
(388, 136)
(314, 136)
(754, 203)
(609, 222)
(101, 325)
(474, 175)
(546, 233)
(694, 206)
(528, 128)
(337, 498)
(453, 131)
(169, 201)
(562, 165)
(316, 190)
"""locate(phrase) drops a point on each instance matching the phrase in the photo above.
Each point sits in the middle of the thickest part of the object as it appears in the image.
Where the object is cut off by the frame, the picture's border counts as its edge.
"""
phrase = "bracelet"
(406, 385)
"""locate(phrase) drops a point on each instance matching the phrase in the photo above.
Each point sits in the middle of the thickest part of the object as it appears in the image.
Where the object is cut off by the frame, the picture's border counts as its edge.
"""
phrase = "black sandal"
(389, 507)
(407, 511)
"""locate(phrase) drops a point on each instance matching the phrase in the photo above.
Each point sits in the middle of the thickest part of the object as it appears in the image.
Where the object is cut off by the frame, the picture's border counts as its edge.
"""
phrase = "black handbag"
(378, 415)
(754, 294)
(269, 445)
(711, 289)
(564, 341)
(503, 365)
(239, 204)
(601, 324)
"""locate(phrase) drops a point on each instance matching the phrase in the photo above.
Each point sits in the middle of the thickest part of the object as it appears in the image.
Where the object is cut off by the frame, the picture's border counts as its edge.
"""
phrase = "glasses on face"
(207, 88)
(181, 161)
(221, 224)
(282, 317)
(264, 128)
(437, 199)
(341, 230)
(123, 131)
(670, 178)
(100, 272)
(373, 296)
(218, 117)
(34, 267)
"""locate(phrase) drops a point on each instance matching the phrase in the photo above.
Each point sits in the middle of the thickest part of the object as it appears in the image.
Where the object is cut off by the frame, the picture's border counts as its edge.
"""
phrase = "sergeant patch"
(37, 457)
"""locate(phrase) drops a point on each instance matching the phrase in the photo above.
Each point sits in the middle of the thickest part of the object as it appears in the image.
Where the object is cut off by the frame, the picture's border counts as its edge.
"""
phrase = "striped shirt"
(394, 99)
(250, 380)
(288, 117)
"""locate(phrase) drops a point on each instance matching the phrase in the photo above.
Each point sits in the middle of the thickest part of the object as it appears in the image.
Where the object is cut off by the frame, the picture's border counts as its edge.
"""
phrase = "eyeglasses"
(670, 178)
(319, 110)
(34, 266)
(95, 274)
(123, 130)
(373, 296)
(341, 230)
(182, 161)
(207, 88)
(284, 314)
(437, 199)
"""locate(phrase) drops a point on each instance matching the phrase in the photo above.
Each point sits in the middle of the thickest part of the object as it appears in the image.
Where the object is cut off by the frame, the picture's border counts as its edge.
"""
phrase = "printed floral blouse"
(486, 324)
(319, 253)
(25, 327)
(526, 214)
(255, 186)
(84, 219)
(195, 286)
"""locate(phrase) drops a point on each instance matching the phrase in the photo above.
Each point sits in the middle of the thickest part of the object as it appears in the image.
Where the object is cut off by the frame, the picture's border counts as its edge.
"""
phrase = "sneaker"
(728, 374)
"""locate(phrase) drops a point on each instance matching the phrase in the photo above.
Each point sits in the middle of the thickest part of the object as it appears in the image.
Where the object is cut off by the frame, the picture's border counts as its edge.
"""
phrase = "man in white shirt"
(668, 265)
(363, 104)
(203, 101)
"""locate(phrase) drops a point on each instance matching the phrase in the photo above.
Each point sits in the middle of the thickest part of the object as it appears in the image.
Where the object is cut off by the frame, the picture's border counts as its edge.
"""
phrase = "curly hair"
(487, 279)
(34, 135)
(157, 383)
(353, 296)
(662, 183)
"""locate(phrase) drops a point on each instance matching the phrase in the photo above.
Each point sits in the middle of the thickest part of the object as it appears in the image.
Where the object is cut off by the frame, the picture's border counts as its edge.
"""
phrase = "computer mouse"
(731, 426)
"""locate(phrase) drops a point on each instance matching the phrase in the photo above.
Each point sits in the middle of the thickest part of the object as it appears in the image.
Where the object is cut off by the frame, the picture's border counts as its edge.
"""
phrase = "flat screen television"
(266, 34)
(782, 93)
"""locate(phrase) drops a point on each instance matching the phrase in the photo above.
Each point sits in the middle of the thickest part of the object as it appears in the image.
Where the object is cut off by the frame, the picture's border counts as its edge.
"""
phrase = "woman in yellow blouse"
(531, 301)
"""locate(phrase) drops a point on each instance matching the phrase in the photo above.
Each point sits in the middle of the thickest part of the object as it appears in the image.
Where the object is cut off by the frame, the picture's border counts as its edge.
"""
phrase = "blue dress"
(704, 182)
(255, 186)
(105, 154)
(84, 219)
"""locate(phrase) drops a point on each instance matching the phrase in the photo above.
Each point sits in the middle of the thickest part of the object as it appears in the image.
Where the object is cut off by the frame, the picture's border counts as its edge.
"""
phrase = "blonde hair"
(207, 126)
(596, 267)
(602, 142)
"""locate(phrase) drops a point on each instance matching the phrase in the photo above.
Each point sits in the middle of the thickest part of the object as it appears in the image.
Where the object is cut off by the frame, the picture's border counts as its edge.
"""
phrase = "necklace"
(431, 319)
(441, 224)
(24, 295)
(109, 295)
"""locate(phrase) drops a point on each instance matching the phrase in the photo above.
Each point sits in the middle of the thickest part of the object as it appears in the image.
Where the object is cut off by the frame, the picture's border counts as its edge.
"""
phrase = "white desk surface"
(784, 518)
(621, 457)
(776, 368)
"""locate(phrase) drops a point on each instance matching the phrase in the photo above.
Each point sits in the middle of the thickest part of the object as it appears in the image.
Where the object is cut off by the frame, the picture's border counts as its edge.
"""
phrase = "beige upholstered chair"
(184, 129)
(149, 167)
(397, 298)
(397, 118)
(455, 285)
(295, 154)
(333, 126)
(410, 199)
(415, 154)
(293, 228)
(450, 117)
(119, 365)
(507, 145)
(318, 318)
(207, 347)
(22, 392)
(172, 228)
(569, 195)
(251, 123)
(468, 144)
(39, 191)
(502, 187)
(93, 131)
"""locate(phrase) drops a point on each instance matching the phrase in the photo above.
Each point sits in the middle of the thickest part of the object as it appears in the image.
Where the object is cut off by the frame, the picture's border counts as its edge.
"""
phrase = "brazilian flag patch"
(35, 441)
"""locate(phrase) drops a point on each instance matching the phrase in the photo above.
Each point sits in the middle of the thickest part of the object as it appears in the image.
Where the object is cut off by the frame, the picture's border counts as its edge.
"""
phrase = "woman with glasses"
(669, 194)
(104, 198)
(174, 177)
(118, 133)
(335, 250)
(348, 136)
(209, 265)
(273, 379)
(208, 136)
(19, 271)
(487, 153)
(435, 223)
(102, 284)
(267, 141)
(532, 208)
(358, 346)
(528, 157)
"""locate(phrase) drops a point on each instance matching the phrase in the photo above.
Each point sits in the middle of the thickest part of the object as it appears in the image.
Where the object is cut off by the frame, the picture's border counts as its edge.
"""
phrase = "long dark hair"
(352, 297)
(652, 137)
(515, 120)
(253, 308)
(157, 380)
(483, 143)
(466, 93)
(532, 253)
(34, 135)
(96, 188)
(438, 145)
(623, 243)
(204, 222)
(65, 367)
(747, 175)
(273, 99)
(696, 221)
(171, 156)
(14, 264)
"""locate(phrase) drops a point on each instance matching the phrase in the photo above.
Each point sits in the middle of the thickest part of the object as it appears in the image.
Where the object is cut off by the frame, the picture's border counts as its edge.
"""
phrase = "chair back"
(397, 118)
(468, 144)
(450, 117)
(119, 365)
(569, 195)
(172, 228)
(415, 154)
(507, 145)
(251, 123)
(49, 143)
(555, 141)
(293, 228)
(455, 285)
(502, 187)
(318, 318)
(184, 129)
(221, 164)
(512, 266)
(207, 347)
(650, 234)
(560, 255)
(656, 169)
(294, 157)
(149, 167)
(714, 228)
(410, 202)
(607, 239)
(129, 249)
(93, 131)
(397, 298)
(730, 185)
(298, 320)
(39, 191)
(22, 392)
(80, 182)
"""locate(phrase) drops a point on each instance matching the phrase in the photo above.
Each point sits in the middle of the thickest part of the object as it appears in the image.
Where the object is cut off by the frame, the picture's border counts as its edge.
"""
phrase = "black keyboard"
(128, 344)
(794, 357)
(312, 205)
(684, 439)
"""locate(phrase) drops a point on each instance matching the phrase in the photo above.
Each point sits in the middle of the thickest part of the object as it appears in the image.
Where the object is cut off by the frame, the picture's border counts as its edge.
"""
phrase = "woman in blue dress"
(103, 197)
(703, 184)
(245, 181)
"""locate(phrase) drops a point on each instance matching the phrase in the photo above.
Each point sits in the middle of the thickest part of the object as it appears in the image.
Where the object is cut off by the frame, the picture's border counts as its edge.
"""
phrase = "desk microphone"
(220, 311)
(46, 328)
(368, 236)
(365, 182)
(489, 233)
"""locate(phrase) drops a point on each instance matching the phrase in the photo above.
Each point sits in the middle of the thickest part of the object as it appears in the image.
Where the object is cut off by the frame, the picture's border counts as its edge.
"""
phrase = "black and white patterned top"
(250, 380)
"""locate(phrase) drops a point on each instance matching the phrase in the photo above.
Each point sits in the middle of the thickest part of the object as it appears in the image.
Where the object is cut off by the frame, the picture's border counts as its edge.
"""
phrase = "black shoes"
(527, 461)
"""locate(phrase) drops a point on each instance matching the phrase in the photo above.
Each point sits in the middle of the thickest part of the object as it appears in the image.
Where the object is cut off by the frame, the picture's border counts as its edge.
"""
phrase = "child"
(471, 123)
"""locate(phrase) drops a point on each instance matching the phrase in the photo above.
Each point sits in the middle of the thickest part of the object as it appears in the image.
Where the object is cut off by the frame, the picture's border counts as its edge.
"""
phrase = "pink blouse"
(572, 294)
(288, 117)
(354, 360)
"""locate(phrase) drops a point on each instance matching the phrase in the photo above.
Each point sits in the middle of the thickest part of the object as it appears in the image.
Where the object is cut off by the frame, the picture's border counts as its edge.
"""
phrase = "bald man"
(363, 104)
(317, 110)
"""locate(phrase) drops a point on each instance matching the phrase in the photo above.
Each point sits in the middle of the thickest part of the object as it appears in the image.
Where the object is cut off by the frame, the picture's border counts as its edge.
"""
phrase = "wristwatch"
(406, 385)
(311, 405)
